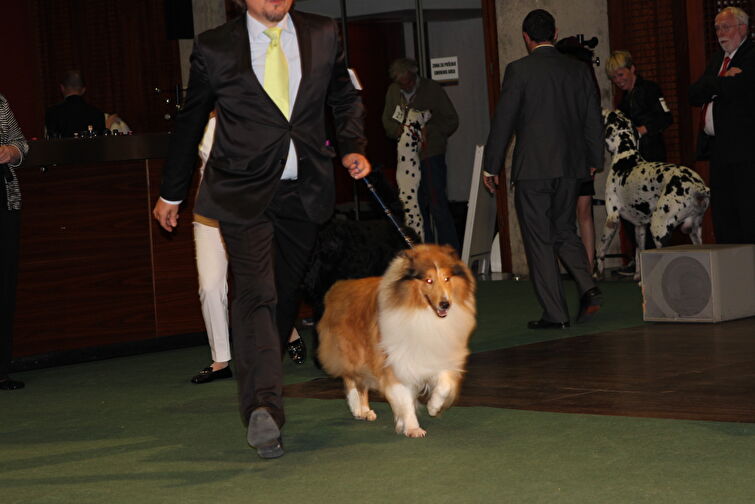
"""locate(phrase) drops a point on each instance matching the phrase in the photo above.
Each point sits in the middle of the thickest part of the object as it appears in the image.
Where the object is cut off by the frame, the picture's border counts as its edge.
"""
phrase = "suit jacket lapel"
(304, 39)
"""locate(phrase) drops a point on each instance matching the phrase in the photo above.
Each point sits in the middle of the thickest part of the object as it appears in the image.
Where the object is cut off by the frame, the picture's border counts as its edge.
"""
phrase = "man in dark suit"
(269, 177)
(726, 91)
(549, 100)
(73, 114)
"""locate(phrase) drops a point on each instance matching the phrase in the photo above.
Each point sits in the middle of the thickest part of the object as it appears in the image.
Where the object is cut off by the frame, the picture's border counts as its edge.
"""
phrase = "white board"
(481, 217)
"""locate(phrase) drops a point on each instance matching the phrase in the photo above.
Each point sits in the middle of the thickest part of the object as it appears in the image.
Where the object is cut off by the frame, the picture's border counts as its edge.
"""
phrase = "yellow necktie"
(276, 71)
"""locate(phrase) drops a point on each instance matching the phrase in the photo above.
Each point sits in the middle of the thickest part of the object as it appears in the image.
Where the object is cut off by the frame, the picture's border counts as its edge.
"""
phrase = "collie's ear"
(460, 270)
(448, 249)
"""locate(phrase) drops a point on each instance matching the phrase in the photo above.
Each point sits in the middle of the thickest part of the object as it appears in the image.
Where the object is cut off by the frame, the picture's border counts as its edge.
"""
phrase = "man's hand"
(491, 182)
(166, 214)
(731, 72)
(357, 165)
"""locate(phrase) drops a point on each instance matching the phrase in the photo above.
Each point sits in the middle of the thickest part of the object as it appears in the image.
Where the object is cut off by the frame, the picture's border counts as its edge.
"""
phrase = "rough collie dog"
(403, 334)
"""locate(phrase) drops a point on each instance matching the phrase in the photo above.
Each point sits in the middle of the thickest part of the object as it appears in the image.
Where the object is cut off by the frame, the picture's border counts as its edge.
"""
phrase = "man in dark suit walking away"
(269, 178)
(549, 100)
(726, 91)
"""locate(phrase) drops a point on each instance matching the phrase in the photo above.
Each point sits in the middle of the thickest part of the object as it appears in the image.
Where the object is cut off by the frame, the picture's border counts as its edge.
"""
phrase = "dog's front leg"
(357, 398)
(401, 399)
(444, 392)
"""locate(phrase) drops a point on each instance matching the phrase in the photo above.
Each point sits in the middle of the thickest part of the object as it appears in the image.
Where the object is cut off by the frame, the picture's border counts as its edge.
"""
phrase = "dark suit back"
(549, 101)
(252, 135)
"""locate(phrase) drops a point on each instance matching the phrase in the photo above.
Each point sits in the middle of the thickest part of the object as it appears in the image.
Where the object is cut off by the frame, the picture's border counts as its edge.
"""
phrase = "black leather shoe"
(264, 434)
(207, 375)
(8, 384)
(546, 324)
(589, 304)
(297, 351)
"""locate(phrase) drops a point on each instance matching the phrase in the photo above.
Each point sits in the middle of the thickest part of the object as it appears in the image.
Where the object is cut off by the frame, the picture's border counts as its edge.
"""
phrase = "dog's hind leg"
(357, 398)
(444, 392)
(401, 399)
(640, 233)
(609, 230)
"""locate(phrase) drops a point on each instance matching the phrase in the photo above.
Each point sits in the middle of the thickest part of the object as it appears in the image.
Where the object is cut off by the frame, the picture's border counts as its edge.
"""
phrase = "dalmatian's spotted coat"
(642, 192)
(407, 169)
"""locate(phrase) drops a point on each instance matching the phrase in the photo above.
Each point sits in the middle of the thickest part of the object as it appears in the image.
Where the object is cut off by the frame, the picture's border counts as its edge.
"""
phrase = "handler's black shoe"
(207, 375)
(297, 351)
(8, 384)
(589, 304)
(546, 324)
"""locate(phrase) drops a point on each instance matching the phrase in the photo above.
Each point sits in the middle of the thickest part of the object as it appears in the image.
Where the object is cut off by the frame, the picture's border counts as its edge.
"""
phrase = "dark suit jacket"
(549, 101)
(734, 109)
(73, 115)
(252, 135)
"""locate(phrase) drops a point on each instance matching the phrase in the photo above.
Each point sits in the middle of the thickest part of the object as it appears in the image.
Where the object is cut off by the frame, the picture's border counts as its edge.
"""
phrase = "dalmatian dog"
(407, 169)
(665, 195)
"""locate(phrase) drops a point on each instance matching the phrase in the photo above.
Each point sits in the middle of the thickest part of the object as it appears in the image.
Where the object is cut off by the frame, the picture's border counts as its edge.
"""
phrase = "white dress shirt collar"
(257, 29)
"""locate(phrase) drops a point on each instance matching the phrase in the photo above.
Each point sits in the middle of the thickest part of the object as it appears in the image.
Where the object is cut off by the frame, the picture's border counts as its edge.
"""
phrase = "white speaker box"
(706, 283)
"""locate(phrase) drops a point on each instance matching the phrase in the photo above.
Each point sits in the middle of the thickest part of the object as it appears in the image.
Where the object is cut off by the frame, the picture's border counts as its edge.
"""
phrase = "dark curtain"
(122, 51)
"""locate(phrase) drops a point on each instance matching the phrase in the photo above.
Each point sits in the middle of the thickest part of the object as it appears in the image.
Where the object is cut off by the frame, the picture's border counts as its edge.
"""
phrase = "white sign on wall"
(445, 69)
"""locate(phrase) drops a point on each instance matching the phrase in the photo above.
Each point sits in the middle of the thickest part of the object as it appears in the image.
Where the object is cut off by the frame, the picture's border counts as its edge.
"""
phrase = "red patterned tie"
(724, 68)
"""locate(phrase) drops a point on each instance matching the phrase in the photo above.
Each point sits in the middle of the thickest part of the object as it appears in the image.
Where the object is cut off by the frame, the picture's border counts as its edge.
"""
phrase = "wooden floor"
(680, 371)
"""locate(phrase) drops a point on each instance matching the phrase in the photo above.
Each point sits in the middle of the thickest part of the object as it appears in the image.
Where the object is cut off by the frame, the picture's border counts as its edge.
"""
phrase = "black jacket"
(73, 115)
(734, 110)
(642, 104)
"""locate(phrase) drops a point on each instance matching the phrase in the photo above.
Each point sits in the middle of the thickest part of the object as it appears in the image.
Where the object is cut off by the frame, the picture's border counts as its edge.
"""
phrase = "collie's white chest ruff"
(664, 195)
(419, 345)
(404, 334)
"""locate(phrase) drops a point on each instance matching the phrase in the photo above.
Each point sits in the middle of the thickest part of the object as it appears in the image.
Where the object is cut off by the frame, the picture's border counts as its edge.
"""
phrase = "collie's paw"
(415, 433)
(434, 410)
(368, 415)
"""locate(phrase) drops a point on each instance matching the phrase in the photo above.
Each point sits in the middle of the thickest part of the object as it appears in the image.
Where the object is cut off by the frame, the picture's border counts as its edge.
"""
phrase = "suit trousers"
(268, 257)
(732, 202)
(212, 271)
(10, 225)
(547, 217)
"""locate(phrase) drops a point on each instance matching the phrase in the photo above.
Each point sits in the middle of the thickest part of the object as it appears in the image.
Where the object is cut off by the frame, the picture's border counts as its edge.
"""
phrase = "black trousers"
(10, 222)
(732, 201)
(267, 257)
(546, 210)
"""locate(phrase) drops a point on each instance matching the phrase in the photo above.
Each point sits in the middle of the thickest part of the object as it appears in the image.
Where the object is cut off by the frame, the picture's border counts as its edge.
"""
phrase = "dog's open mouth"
(442, 312)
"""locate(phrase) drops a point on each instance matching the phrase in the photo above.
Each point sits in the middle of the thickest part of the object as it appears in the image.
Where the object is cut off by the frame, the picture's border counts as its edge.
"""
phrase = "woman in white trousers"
(212, 272)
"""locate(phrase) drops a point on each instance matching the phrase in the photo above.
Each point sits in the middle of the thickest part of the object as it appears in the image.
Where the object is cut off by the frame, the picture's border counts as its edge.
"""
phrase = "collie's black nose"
(444, 305)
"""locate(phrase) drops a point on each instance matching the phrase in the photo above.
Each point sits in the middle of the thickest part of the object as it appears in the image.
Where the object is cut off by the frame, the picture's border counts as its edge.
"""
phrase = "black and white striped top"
(10, 134)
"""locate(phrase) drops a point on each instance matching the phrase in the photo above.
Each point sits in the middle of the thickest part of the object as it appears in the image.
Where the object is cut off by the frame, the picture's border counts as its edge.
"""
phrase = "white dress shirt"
(709, 128)
(258, 43)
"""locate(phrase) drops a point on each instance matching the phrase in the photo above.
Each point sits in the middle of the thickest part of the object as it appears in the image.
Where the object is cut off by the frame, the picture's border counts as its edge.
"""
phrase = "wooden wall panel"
(177, 308)
(85, 272)
(95, 268)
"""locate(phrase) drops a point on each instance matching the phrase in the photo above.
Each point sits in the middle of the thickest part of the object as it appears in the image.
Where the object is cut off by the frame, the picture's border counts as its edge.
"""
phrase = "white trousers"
(212, 269)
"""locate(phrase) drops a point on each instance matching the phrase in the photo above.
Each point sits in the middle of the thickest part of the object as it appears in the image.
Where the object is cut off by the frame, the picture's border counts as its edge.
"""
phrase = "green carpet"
(134, 430)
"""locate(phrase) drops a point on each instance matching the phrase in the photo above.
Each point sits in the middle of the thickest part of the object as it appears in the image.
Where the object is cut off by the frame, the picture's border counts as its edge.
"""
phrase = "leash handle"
(388, 213)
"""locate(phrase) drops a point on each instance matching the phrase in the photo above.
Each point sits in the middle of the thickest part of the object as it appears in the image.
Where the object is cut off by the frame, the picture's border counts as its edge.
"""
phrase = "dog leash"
(388, 213)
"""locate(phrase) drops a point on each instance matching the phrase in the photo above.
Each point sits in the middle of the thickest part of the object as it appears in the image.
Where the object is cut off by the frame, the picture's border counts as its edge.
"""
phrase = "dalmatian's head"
(621, 137)
(417, 118)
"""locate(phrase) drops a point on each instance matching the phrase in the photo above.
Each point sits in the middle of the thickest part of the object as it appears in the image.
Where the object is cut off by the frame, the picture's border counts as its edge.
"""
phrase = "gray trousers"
(547, 217)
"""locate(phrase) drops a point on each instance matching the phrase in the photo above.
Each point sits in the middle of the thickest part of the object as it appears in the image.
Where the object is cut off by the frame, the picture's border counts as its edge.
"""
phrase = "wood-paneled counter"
(95, 267)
